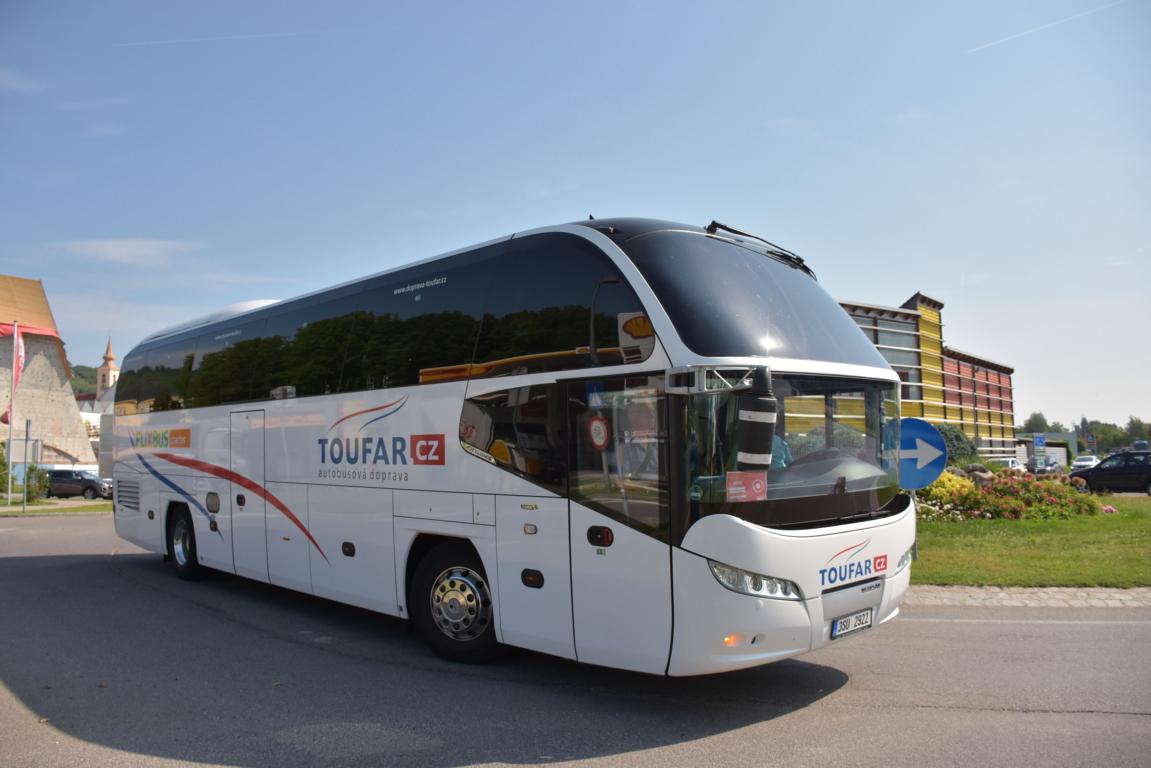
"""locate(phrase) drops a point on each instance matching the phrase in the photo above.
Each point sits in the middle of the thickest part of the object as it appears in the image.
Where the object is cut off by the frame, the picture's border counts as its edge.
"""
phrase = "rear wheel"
(182, 545)
(451, 603)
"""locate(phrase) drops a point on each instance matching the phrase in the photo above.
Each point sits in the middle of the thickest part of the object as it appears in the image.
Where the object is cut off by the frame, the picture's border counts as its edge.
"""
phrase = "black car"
(73, 482)
(1129, 471)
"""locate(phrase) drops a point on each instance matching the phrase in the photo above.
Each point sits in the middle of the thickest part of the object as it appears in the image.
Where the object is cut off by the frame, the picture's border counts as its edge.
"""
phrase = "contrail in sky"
(215, 39)
(1047, 25)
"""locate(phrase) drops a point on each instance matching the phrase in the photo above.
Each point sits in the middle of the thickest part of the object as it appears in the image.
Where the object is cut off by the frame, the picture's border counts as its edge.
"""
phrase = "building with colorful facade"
(941, 384)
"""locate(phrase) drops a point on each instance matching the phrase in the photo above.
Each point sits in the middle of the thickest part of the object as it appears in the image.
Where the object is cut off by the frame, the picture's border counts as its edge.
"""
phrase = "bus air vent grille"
(128, 494)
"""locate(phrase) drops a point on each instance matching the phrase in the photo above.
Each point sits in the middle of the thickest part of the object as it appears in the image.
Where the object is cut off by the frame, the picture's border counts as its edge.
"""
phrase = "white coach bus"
(626, 442)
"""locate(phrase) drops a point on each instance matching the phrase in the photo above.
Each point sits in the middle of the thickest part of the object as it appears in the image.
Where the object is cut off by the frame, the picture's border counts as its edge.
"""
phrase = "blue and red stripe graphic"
(854, 549)
(240, 480)
(389, 409)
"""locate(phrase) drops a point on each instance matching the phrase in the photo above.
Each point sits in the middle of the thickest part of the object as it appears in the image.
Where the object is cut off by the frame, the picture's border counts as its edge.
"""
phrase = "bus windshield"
(834, 455)
(729, 299)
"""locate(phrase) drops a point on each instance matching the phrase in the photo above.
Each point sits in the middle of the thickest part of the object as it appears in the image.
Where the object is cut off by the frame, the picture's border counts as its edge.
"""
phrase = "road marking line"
(1020, 621)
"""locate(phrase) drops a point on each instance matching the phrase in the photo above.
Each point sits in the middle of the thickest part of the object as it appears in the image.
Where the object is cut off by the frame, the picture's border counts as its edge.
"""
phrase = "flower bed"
(1007, 496)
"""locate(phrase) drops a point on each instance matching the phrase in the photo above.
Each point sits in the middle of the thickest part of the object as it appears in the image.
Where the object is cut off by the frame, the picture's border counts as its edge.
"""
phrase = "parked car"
(1129, 471)
(1013, 464)
(1046, 465)
(78, 482)
(1084, 461)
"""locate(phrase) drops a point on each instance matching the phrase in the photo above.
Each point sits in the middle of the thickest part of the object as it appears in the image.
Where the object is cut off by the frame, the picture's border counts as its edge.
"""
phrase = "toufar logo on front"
(846, 566)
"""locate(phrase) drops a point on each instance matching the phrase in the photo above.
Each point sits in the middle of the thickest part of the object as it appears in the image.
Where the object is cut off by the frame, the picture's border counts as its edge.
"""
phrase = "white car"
(1084, 461)
(1014, 464)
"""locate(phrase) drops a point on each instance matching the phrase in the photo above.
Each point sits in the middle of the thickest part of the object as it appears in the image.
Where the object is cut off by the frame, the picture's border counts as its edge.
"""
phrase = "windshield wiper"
(779, 252)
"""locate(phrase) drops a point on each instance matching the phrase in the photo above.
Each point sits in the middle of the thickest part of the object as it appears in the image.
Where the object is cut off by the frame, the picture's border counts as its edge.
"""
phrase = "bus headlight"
(754, 584)
(906, 558)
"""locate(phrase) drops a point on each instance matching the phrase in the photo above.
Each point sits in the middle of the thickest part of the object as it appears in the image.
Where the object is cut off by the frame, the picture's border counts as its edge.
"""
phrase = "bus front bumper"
(718, 630)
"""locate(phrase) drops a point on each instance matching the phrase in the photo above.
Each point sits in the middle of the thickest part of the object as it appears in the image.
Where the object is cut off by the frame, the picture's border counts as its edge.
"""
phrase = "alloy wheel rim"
(461, 604)
(180, 544)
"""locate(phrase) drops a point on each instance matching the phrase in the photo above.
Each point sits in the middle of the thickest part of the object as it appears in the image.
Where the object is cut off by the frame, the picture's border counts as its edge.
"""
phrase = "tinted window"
(127, 386)
(521, 430)
(415, 326)
(545, 297)
(166, 379)
(156, 379)
(225, 363)
(419, 326)
(302, 351)
(728, 299)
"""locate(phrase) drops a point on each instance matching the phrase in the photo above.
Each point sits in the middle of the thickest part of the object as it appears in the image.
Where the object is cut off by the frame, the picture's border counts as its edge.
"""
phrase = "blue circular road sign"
(922, 454)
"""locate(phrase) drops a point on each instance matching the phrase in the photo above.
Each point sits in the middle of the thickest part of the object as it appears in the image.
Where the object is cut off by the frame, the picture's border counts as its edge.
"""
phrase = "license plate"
(852, 623)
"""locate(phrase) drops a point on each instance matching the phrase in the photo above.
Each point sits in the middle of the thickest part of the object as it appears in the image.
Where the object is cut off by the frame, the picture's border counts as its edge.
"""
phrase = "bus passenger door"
(620, 553)
(249, 531)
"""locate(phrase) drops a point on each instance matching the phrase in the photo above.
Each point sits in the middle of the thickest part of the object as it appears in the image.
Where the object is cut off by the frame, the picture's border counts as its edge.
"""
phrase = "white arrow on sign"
(924, 453)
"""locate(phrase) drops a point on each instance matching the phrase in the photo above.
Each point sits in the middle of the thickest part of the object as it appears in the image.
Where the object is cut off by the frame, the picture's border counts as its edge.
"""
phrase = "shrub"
(35, 482)
(1007, 496)
(960, 449)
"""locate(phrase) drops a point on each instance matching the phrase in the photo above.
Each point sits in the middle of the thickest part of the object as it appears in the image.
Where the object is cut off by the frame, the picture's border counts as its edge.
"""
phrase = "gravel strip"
(1030, 597)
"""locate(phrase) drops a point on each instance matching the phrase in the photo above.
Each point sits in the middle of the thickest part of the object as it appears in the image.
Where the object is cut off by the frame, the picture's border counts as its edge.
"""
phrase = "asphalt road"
(106, 659)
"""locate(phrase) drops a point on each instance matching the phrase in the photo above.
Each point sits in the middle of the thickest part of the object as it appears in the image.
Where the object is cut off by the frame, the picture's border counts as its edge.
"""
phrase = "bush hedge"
(1008, 495)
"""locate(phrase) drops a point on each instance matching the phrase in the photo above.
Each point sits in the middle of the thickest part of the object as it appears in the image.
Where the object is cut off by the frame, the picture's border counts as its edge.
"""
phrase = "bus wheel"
(451, 604)
(182, 545)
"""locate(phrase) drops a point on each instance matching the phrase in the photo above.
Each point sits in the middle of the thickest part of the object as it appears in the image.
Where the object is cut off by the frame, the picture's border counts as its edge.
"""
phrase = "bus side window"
(128, 385)
(521, 431)
(422, 322)
(223, 365)
(618, 444)
(302, 352)
(547, 293)
(169, 378)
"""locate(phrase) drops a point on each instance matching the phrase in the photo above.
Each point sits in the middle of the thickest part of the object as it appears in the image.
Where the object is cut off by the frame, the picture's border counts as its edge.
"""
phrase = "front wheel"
(89, 494)
(451, 604)
(182, 546)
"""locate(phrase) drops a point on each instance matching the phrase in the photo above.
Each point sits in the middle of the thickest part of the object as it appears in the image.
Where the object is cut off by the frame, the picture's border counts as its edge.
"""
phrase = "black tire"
(450, 602)
(89, 493)
(182, 545)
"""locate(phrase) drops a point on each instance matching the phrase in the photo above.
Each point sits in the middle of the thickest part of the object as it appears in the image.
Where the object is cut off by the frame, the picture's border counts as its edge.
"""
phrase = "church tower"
(107, 373)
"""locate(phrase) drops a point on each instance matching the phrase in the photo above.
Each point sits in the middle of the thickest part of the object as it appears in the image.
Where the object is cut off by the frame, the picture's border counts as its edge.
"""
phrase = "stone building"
(44, 394)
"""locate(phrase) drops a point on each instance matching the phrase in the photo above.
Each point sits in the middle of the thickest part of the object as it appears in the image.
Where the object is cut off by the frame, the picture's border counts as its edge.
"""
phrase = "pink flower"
(1109, 510)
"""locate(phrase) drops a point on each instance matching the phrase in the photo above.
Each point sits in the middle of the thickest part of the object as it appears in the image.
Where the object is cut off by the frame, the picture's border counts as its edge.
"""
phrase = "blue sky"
(159, 160)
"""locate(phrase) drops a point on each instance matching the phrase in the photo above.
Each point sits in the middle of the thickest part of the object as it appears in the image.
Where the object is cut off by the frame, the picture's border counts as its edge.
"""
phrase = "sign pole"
(11, 411)
(27, 434)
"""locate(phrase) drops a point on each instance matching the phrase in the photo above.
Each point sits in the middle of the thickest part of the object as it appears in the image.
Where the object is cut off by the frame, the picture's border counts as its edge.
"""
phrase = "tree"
(960, 449)
(1108, 437)
(1036, 422)
(1137, 429)
(1056, 426)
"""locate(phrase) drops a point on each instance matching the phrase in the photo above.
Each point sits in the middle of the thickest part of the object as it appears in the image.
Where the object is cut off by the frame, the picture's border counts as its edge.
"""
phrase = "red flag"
(18, 361)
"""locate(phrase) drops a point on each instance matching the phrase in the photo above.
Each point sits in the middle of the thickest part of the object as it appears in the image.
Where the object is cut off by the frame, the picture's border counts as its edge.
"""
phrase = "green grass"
(39, 508)
(1099, 551)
